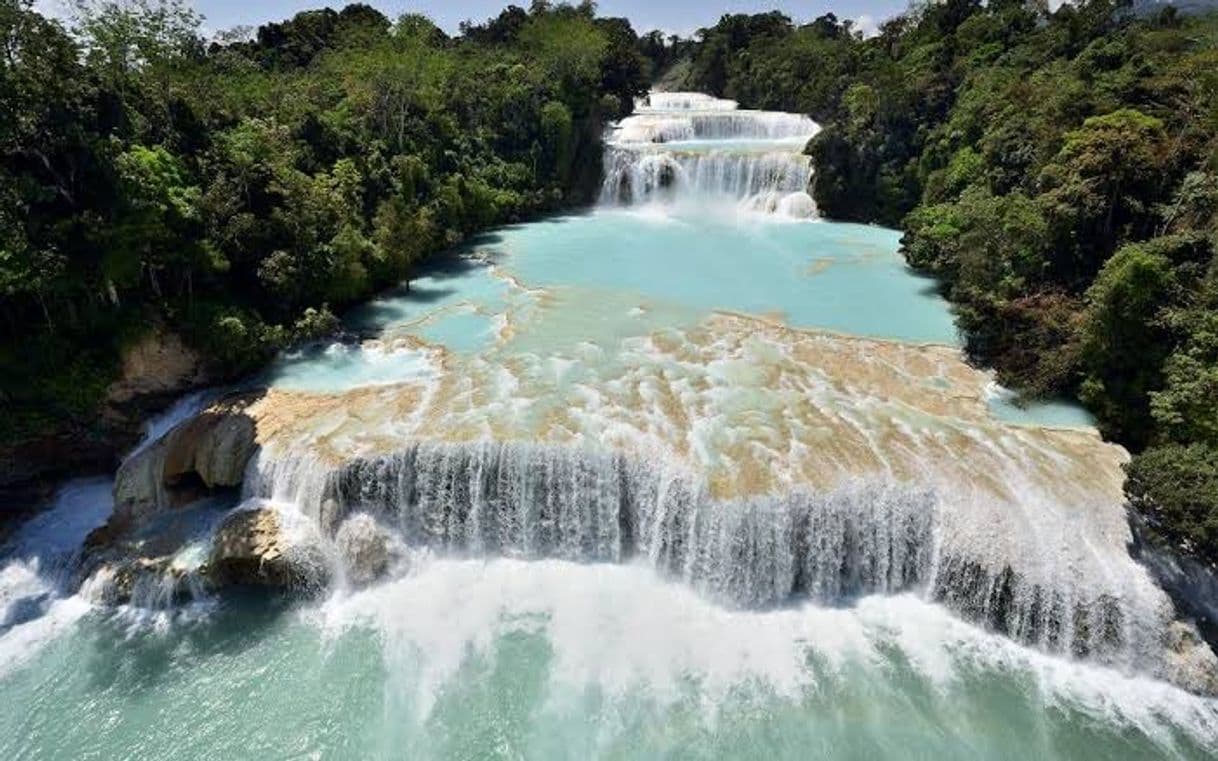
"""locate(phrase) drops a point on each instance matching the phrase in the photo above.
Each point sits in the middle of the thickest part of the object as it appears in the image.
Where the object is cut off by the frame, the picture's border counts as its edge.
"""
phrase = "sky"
(672, 16)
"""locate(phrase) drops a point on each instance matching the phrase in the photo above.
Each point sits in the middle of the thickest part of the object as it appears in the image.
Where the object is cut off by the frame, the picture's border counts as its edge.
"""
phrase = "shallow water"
(613, 274)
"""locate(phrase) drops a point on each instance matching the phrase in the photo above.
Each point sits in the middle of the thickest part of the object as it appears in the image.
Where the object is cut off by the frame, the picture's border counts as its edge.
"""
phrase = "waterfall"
(634, 177)
(691, 148)
(537, 501)
(685, 101)
(534, 501)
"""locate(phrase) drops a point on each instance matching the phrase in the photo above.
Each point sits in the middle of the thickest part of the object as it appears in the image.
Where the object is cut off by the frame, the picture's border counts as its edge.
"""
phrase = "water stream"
(694, 474)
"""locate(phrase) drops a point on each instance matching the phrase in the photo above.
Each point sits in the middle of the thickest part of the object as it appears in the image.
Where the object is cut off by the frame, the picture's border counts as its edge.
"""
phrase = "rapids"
(694, 474)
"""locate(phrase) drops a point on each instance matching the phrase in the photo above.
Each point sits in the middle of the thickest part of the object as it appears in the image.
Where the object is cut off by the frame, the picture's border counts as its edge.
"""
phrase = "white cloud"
(867, 24)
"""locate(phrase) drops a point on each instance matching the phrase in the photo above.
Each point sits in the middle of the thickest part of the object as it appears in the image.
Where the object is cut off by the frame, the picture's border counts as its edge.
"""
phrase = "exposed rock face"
(214, 446)
(154, 371)
(251, 548)
(152, 563)
(363, 548)
(207, 452)
(159, 364)
(151, 489)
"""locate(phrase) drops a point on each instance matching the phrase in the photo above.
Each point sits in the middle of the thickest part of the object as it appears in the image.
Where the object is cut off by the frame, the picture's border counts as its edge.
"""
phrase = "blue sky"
(682, 16)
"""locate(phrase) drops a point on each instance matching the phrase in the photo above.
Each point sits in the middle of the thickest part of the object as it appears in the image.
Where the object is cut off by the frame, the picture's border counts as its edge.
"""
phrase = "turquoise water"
(838, 277)
(556, 661)
(606, 265)
(505, 659)
(1057, 413)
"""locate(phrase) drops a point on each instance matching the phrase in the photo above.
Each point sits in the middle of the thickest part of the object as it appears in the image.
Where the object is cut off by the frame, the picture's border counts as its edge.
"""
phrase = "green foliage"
(1187, 404)
(556, 139)
(315, 324)
(1177, 486)
(231, 190)
(1098, 185)
(65, 379)
(1123, 346)
(981, 242)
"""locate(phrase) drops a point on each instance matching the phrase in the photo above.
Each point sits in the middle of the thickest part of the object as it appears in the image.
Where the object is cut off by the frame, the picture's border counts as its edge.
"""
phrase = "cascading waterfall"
(690, 148)
(535, 501)
(639, 504)
(876, 534)
(171, 586)
(687, 101)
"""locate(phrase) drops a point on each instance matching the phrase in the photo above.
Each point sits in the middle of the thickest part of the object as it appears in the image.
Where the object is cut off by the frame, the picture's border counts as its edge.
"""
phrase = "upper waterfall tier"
(667, 127)
(692, 148)
(767, 182)
(685, 101)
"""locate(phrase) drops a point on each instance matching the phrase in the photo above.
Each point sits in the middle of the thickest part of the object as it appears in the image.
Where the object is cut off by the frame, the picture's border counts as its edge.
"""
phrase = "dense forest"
(1058, 172)
(237, 190)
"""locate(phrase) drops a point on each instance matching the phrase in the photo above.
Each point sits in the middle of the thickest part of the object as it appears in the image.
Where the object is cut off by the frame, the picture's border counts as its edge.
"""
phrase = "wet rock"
(363, 549)
(330, 514)
(1190, 663)
(207, 452)
(666, 177)
(251, 548)
(214, 447)
(108, 584)
(151, 564)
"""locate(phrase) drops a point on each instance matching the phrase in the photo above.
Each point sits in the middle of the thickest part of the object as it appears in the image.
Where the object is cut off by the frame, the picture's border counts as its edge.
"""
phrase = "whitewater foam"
(37, 602)
(632, 635)
(691, 149)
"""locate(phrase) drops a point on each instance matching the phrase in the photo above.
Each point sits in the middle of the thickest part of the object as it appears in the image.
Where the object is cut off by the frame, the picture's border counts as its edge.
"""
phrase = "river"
(694, 474)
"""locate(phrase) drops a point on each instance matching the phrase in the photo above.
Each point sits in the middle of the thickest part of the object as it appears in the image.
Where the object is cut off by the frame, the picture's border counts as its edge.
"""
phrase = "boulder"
(214, 447)
(207, 452)
(251, 548)
(363, 549)
(1190, 663)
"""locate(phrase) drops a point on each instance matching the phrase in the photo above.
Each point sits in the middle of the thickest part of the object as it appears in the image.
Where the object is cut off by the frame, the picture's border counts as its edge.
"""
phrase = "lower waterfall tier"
(757, 464)
(535, 501)
(530, 501)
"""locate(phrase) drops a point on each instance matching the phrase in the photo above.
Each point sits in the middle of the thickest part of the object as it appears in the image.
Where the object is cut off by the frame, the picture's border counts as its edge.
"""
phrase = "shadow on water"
(427, 288)
(428, 284)
(130, 652)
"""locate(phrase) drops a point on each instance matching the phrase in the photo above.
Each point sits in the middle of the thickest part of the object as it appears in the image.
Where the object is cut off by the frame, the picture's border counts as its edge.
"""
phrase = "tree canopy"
(237, 190)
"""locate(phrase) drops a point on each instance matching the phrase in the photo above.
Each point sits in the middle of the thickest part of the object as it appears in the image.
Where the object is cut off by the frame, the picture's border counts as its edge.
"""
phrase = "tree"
(1177, 487)
(1123, 343)
(156, 229)
(1098, 185)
